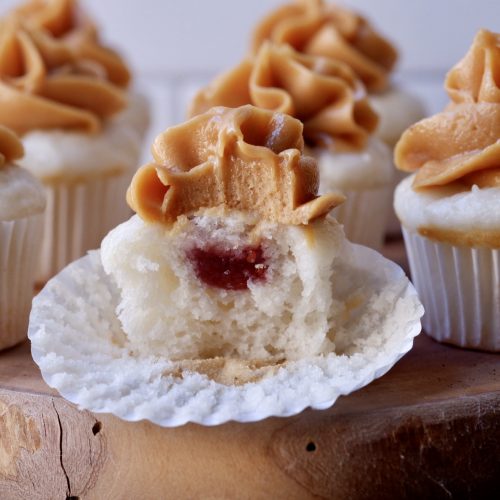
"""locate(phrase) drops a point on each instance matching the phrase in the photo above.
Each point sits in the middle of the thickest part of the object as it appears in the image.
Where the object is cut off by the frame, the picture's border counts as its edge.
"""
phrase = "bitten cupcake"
(231, 295)
(450, 209)
(318, 28)
(338, 122)
(226, 221)
(22, 202)
(82, 129)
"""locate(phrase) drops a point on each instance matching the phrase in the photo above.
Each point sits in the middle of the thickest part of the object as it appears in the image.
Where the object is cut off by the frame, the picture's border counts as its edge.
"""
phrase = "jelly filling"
(229, 269)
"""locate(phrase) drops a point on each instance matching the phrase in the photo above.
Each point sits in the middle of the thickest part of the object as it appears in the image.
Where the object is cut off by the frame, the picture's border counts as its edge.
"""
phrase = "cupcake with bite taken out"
(67, 96)
(329, 100)
(22, 202)
(450, 208)
(231, 295)
(226, 236)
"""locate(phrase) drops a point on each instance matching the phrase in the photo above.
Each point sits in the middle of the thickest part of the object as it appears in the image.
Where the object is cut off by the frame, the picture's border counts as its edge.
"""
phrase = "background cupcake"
(338, 121)
(22, 201)
(319, 28)
(66, 22)
(82, 130)
(450, 209)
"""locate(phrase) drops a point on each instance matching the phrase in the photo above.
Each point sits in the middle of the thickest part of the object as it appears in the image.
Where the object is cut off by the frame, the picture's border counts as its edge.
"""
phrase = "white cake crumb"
(452, 207)
(166, 310)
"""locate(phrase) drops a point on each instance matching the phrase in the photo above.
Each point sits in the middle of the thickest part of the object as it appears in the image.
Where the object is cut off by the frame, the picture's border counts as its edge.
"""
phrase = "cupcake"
(450, 207)
(226, 232)
(66, 22)
(231, 295)
(317, 28)
(67, 96)
(338, 123)
(22, 202)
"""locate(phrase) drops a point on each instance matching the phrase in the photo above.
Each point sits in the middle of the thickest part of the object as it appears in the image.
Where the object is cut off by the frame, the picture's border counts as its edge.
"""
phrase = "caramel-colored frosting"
(317, 28)
(44, 84)
(245, 158)
(461, 144)
(65, 21)
(10, 147)
(323, 94)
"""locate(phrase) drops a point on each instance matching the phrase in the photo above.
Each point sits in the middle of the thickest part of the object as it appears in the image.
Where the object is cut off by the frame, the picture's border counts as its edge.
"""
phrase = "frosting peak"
(463, 142)
(323, 94)
(56, 16)
(10, 147)
(44, 84)
(477, 77)
(313, 27)
(246, 158)
(65, 21)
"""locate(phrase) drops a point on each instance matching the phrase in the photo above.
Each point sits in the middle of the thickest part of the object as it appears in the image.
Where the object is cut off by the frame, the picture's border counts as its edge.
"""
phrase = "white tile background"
(176, 45)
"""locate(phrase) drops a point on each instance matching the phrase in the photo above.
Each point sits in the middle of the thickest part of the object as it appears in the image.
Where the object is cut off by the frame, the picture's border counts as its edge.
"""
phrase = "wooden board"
(430, 428)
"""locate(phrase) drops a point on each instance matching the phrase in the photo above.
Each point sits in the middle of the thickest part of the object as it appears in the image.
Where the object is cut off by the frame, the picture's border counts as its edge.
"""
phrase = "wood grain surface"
(430, 428)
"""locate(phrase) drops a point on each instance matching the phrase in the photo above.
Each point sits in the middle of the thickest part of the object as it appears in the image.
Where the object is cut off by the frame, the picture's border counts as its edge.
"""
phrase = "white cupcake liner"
(460, 290)
(20, 242)
(81, 350)
(78, 216)
(364, 215)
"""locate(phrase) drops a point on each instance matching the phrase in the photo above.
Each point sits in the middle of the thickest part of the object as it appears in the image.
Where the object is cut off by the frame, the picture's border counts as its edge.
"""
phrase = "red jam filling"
(229, 269)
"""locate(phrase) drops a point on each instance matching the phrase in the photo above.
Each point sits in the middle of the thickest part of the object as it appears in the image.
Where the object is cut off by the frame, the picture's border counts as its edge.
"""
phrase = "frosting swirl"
(313, 27)
(246, 158)
(323, 94)
(45, 85)
(65, 21)
(461, 143)
(10, 147)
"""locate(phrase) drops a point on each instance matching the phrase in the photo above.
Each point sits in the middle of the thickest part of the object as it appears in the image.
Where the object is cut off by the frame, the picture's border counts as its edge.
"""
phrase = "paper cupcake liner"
(460, 290)
(81, 350)
(364, 215)
(20, 242)
(78, 216)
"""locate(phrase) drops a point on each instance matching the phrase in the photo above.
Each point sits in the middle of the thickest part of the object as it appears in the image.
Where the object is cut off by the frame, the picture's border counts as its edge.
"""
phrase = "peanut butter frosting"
(462, 143)
(323, 94)
(317, 28)
(10, 147)
(247, 158)
(64, 20)
(44, 84)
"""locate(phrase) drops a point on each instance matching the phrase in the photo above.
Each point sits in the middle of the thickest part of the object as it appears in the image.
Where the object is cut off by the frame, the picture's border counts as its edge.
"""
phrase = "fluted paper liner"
(78, 216)
(460, 290)
(19, 246)
(81, 350)
(356, 215)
